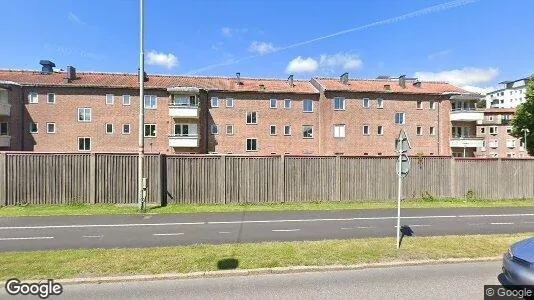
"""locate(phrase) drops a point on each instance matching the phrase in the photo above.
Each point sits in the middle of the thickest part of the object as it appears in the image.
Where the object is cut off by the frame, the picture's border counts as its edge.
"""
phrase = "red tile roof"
(500, 110)
(377, 85)
(125, 80)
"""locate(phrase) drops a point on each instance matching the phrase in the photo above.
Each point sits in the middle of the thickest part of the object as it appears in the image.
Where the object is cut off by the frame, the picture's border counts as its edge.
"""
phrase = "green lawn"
(81, 209)
(185, 259)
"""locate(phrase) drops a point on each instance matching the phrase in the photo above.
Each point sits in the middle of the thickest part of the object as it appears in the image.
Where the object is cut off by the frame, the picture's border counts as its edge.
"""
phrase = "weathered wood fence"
(49, 178)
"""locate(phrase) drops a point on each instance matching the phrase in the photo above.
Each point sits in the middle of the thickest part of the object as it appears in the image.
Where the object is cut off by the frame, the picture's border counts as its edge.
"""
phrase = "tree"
(524, 118)
(481, 103)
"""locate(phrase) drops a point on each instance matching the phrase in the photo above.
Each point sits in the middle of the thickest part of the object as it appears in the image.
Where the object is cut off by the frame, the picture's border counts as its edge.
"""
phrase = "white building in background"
(510, 95)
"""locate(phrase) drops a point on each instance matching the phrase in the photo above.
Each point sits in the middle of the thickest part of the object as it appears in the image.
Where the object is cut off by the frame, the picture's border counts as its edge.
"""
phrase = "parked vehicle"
(518, 263)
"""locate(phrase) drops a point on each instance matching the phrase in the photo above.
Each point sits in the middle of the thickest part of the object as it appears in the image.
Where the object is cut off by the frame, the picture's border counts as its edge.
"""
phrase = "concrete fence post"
(3, 179)
(281, 179)
(92, 178)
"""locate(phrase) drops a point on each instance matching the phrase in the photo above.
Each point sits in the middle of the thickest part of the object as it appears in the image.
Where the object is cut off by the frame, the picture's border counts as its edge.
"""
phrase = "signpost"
(402, 145)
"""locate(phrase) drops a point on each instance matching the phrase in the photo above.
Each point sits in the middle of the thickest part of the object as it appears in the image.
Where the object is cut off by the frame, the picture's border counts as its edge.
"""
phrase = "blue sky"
(468, 42)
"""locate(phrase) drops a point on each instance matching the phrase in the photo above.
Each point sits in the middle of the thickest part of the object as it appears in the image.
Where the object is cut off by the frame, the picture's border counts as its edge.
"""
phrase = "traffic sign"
(402, 144)
(403, 165)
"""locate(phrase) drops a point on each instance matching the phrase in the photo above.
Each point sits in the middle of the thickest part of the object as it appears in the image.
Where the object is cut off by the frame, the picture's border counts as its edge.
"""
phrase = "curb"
(267, 271)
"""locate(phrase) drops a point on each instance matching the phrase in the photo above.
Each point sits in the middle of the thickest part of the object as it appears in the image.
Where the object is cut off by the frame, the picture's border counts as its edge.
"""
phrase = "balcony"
(470, 114)
(5, 141)
(467, 142)
(5, 109)
(182, 141)
(183, 111)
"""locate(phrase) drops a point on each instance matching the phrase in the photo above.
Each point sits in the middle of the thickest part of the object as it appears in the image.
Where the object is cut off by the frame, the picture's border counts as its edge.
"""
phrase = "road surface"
(62, 232)
(449, 281)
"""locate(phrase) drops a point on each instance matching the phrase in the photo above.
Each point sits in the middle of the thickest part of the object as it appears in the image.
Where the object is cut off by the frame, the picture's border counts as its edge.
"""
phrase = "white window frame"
(339, 131)
(214, 129)
(432, 130)
(229, 101)
(482, 130)
(366, 129)
(341, 101)
(110, 97)
(126, 103)
(304, 127)
(256, 144)
(380, 103)
(7, 128)
(419, 104)
(419, 130)
(90, 144)
(287, 101)
(47, 128)
(231, 126)
(155, 131)
(30, 98)
(214, 101)
(150, 97)
(494, 129)
(252, 113)
(432, 105)
(366, 103)
(271, 130)
(287, 132)
(403, 118)
(36, 128)
(85, 109)
(106, 128)
(129, 129)
(304, 105)
(380, 130)
(48, 98)
(271, 103)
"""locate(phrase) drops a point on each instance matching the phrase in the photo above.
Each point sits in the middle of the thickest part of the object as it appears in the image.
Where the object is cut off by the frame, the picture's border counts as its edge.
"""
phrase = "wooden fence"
(50, 178)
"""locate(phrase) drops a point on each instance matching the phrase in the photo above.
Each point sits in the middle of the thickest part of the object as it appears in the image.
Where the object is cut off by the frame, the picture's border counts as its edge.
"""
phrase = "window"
(307, 131)
(482, 130)
(419, 130)
(380, 103)
(287, 103)
(33, 128)
(380, 130)
(180, 100)
(339, 131)
(150, 130)
(287, 130)
(432, 105)
(33, 98)
(126, 100)
(214, 129)
(252, 145)
(229, 102)
(432, 130)
(508, 130)
(51, 98)
(272, 103)
(493, 130)
(307, 105)
(151, 102)
(365, 129)
(490, 118)
(510, 143)
(339, 103)
(109, 99)
(109, 128)
(84, 114)
(273, 130)
(399, 118)
(3, 128)
(252, 118)
(185, 130)
(229, 129)
(84, 144)
(365, 103)
(125, 128)
(214, 102)
(50, 127)
(419, 104)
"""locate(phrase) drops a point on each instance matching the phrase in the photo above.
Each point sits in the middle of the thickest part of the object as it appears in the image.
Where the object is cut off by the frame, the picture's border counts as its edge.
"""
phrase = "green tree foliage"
(524, 118)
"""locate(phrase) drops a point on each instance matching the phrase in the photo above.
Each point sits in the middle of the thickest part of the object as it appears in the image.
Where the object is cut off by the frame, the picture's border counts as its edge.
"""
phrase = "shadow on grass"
(227, 264)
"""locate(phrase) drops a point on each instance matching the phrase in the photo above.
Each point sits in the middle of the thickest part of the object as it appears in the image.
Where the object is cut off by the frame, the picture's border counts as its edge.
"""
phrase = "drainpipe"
(22, 118)
(439, 128)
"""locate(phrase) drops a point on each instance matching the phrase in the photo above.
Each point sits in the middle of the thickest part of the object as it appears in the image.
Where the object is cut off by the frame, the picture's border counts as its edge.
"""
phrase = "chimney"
(417, 84)
(71, 73)
(238, 76)
(48, 67)
(262, 87)
(344, 78)
(402, 81)
(387, 87)
(290, 81)
(145, 77)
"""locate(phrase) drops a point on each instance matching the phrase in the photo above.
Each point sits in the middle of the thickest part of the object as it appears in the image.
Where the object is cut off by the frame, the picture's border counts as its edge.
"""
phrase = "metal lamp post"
(525, 131)
(140, 179)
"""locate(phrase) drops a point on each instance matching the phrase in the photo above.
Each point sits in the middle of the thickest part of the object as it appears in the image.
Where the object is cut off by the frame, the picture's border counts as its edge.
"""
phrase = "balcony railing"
(5, 109)
(467, 114)
(462, 141)
(183, 140)
(183, 110)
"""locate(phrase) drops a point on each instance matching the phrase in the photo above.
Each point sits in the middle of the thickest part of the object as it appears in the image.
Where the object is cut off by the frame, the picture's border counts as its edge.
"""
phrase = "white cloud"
(230, 32)
(161, 59)
(74, 18)
(479, 90)
(261, 47)
(345, 61)
(302, 65)
(461, 77)
(438, 54)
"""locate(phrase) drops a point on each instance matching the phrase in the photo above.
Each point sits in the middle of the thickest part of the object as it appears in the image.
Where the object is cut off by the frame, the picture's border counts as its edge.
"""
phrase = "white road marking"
(168, 234)
(92, 236)
(261, 221)
(346, 228)
(528, 222)
(358, 227)
(502, 223)
(224, 232)
(476, 224)
(285, 230)
(416, 225)
(27, 238)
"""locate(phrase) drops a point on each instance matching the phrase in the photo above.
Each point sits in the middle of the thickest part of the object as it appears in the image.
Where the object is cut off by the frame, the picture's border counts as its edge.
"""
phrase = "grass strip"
(183, 259)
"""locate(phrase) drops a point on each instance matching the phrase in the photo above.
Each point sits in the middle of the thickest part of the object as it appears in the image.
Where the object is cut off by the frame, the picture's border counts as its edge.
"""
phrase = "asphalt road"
(449, 281)
(33, 233)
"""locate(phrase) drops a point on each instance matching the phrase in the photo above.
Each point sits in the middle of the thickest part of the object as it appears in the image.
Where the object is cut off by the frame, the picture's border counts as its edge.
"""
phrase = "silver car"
(518, 263)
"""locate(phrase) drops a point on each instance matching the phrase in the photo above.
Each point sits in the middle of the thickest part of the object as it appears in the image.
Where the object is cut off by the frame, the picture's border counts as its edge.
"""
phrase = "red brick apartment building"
(48, 111)
(494, 130)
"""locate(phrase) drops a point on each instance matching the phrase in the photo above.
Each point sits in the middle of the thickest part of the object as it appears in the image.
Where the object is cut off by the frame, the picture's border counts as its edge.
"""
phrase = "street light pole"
(140, 178)
(525, 130)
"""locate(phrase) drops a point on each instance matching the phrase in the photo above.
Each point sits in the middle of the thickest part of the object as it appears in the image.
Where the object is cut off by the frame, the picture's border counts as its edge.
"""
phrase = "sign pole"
(399, 191)
(402, 145)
